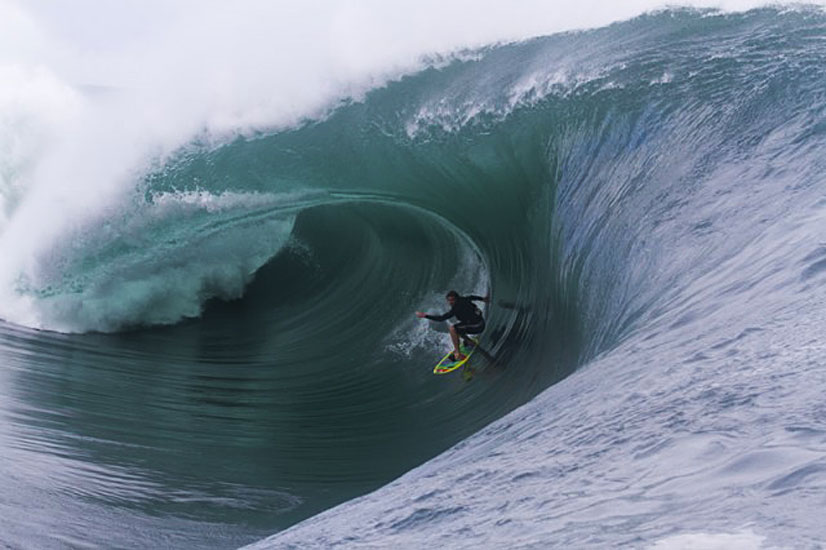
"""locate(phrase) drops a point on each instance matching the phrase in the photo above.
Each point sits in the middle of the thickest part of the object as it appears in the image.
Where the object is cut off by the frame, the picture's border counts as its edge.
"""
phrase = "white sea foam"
(712, 541)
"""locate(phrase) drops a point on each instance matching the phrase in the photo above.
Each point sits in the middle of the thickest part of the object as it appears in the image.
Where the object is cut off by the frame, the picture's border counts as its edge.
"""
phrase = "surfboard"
(447, 364)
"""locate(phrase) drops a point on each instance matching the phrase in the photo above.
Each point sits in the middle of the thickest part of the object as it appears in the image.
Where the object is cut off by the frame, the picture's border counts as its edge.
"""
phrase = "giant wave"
(642, 201)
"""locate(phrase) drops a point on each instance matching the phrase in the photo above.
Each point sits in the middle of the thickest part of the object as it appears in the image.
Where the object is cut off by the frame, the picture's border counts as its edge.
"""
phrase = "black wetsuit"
(469, 315)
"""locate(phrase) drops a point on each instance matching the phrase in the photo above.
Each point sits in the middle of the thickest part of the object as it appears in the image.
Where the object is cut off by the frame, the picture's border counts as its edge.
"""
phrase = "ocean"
(220, 349)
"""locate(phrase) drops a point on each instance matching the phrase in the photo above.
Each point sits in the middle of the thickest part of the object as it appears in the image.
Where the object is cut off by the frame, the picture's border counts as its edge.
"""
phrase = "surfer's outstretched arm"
(442, 317)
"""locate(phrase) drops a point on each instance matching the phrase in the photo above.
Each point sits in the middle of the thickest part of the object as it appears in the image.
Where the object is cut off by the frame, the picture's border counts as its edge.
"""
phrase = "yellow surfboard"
(447, 364)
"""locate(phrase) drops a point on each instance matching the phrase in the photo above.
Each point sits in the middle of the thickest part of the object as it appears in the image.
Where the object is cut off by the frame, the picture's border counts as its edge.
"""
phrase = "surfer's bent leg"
(464, 329)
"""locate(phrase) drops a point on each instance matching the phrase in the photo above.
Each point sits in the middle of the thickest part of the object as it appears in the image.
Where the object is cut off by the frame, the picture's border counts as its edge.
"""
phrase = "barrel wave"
(229, 347)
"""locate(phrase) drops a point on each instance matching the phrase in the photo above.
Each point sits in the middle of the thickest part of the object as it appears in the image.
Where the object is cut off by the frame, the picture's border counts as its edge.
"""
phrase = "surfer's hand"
(421, 314)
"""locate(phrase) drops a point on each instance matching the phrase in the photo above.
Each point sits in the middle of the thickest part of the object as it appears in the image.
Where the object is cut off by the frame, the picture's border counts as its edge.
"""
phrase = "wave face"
(230, 345)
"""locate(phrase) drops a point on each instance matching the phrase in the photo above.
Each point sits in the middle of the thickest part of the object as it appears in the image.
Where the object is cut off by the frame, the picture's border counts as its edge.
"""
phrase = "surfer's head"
(451, 297)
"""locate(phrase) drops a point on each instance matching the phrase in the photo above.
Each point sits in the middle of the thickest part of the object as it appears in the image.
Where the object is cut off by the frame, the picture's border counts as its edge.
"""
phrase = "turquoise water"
(231, 348)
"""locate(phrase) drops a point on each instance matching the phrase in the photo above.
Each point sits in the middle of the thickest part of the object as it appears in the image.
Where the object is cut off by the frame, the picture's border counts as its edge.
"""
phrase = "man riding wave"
(469, 315)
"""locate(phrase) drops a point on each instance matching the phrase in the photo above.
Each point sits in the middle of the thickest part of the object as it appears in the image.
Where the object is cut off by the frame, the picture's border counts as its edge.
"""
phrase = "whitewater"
(215, 226)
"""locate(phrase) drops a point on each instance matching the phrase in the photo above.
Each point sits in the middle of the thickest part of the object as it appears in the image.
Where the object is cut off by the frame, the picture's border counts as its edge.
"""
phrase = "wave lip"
(155, 264)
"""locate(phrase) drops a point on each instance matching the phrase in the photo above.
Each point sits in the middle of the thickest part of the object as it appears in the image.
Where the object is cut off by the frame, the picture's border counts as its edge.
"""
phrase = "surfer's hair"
(453, 294)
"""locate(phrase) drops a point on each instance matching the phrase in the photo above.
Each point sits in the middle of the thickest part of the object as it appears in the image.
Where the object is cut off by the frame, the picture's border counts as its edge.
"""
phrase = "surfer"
(469, 316)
